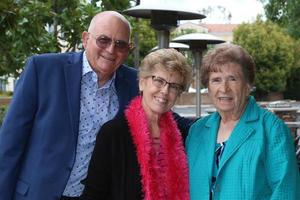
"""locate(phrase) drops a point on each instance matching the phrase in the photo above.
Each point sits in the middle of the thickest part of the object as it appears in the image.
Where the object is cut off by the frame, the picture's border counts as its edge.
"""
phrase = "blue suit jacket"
(39, 135)
(258, 161)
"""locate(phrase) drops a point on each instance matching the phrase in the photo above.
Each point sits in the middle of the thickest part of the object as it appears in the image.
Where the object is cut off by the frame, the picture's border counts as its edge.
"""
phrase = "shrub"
(3, 110)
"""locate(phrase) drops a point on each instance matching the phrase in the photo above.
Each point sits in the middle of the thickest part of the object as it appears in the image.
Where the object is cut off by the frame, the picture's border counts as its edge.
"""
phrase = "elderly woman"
(242, 151)
(141, 155)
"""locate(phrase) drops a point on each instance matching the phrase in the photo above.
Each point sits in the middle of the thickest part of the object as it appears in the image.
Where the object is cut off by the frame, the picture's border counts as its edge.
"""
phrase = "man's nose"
(111, 47)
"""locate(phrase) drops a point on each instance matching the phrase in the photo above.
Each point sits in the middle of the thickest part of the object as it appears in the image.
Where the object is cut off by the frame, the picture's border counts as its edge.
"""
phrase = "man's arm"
(16, 129)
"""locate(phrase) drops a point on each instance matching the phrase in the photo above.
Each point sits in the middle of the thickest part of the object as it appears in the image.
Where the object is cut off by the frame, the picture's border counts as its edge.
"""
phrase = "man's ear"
(85, 37)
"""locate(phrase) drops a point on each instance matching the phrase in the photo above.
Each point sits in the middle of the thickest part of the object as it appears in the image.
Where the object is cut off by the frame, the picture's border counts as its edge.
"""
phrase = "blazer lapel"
(122, 90)
(73, 71)
(240, 133)
(126, 88)
(237, 138)
(213, 124)
(206, 149)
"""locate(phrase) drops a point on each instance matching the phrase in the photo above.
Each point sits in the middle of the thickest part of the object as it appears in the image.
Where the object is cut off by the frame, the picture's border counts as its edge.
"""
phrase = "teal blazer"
(258, 161)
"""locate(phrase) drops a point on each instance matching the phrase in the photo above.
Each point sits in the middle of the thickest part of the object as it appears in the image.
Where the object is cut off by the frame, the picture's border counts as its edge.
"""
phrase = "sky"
(241, 10)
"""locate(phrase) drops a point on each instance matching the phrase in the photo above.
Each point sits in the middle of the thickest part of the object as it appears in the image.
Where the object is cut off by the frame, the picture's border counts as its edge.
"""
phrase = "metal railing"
(295, 129)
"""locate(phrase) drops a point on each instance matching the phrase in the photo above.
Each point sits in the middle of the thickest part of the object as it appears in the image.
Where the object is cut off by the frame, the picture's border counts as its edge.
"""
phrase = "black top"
(114, 173)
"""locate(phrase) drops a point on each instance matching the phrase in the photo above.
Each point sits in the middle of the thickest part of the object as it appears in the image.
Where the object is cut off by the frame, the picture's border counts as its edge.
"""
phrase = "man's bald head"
(105, 57)
(104, 16)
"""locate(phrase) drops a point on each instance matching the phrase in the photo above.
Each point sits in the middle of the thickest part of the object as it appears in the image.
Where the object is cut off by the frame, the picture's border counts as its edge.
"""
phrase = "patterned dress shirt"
(97, 106)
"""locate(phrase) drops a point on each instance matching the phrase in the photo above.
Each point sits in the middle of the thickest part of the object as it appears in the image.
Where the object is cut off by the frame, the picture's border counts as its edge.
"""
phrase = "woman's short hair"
(166, 59)
(224, 54)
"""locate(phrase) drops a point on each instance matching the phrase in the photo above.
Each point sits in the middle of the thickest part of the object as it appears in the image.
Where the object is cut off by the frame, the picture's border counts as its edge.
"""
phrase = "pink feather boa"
(166, 176)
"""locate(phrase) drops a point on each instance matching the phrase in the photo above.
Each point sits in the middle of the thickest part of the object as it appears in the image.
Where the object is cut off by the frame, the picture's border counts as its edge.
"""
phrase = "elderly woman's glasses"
(160, 83)
(104, 41)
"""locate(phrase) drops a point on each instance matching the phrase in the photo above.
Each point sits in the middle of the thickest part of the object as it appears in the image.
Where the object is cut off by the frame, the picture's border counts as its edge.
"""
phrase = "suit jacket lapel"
(207, 149)
(73, 73)
(126, 89)
(241, 132)
(238, 137)
(213, 123)
(121, 89)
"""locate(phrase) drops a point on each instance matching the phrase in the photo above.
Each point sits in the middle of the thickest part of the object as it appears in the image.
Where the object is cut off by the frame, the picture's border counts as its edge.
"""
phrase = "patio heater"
(198, 44)
(164, 17)
(175, 45)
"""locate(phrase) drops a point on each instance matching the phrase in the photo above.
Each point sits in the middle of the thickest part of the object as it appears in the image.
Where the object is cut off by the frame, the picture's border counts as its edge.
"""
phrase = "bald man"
(59, 104)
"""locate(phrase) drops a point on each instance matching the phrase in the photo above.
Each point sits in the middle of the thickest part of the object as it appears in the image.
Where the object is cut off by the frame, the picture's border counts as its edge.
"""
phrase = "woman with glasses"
(141, 154)
(242, 151)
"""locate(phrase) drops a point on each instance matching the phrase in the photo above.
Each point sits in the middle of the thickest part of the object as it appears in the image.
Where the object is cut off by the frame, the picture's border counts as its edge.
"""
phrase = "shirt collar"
(86, 65)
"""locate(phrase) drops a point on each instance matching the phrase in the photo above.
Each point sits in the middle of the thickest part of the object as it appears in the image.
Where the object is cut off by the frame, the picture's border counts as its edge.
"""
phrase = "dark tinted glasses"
(104, 41)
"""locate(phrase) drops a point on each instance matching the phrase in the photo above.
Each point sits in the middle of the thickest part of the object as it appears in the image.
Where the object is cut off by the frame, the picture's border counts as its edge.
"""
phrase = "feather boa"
(165, 177)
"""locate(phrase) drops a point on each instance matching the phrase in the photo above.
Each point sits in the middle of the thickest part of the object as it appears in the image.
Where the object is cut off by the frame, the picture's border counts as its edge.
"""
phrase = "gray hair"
(224, 54)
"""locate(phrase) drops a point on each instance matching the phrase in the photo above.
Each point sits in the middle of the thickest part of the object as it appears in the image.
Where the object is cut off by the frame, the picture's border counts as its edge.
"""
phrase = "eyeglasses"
(160, 83)
(104, 41)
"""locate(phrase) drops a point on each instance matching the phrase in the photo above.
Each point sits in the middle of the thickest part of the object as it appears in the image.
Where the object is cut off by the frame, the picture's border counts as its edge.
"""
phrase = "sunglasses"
(104, 41)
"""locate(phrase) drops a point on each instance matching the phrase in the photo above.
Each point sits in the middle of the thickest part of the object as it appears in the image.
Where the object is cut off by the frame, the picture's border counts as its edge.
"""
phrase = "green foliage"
(3, 110)
(39, 26)
(21, 32)
(294, 18)
(6, 93)
(114, 5)
(273, 53)
(276, 11)
(293, 83)
(285, 13)
(69, 19)
(30, 27)
(146, 38)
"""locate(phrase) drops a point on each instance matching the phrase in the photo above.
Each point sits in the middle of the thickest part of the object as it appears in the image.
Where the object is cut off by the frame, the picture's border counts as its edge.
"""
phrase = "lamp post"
(198, 44)
(163, 17)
